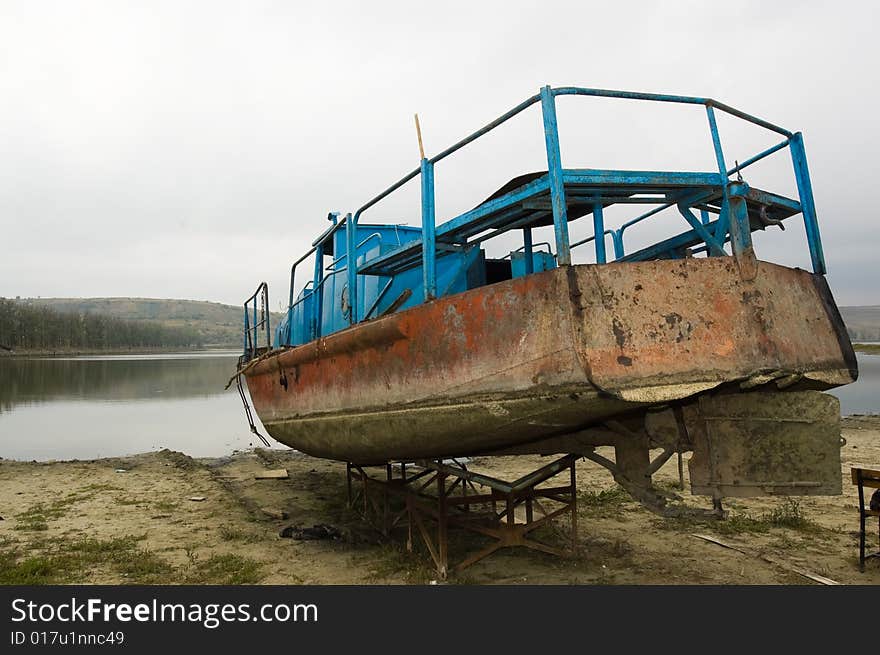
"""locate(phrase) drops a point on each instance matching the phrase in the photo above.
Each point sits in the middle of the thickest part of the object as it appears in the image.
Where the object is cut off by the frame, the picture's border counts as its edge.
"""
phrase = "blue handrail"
(253, 325)
(546, 97)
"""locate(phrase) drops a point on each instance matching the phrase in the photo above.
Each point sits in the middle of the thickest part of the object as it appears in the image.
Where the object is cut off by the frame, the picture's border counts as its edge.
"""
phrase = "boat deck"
(526, 202)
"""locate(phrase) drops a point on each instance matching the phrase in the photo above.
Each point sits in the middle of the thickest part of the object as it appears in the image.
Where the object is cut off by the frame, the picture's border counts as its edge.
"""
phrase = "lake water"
(109, 405)
(103, 406)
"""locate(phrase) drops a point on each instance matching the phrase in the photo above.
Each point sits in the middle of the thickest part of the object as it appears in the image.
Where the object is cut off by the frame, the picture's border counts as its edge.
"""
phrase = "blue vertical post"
(255, 328)
(317, 292)
(617, 240)
(704, 217)
(429, 249)
(246, 330)
(740, 230)
(351, 266)
(724, 218)
(808, 205)
(528, 251)
(716, 141)
(599, 232)
(557, 186)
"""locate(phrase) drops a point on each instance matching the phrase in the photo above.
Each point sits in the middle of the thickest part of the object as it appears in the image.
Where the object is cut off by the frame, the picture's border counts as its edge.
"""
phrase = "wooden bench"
(871, 479)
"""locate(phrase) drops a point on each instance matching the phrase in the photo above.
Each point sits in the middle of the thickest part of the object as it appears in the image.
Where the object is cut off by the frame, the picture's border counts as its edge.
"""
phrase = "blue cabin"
(323, 305)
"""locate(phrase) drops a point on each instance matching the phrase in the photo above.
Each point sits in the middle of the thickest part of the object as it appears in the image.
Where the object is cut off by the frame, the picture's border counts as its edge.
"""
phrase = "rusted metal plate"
(664, 330)
(545, 355)
(759, 444)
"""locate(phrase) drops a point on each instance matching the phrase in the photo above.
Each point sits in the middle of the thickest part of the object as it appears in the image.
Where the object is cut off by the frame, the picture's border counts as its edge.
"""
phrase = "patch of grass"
(787, 515)
(607, 503)
(225, 569)
(228, 533)
(33, 519)
(165, 505)
(392, 560)
(145, 567)
(737, 522)
(31, 524)
(670, 486)
(36, 517)
(790, 515)
(125, 500)
(71, 562)
(28, 571)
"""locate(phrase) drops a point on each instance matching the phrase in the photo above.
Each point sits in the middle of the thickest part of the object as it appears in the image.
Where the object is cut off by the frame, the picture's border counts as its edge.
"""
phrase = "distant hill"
(221, 325)
(862, 323)
(216, 323)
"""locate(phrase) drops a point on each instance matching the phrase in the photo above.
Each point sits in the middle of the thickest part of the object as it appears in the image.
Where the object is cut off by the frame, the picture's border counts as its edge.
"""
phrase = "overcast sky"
(192, 149)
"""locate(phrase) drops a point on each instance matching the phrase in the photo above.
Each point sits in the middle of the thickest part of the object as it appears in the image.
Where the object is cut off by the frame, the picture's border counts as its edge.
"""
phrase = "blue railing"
(317, 285)
(733, 193)
(255, 318)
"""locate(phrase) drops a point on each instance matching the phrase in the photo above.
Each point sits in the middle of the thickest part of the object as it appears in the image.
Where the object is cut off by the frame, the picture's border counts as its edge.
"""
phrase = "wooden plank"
(275, 474)
(772, 560)
(870, 477)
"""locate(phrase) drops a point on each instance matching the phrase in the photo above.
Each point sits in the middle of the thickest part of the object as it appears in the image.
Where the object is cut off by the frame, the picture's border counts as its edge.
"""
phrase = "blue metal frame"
(560, 190)
(252, 327)
(554, 168)
(429, 257)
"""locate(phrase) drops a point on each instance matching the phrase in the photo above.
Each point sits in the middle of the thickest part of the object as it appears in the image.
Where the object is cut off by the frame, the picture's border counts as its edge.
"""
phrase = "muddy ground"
(132, 520)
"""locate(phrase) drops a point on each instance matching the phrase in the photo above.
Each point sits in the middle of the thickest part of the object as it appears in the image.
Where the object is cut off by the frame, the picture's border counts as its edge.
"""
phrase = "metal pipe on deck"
(528, 249)
(557, 185)
(351, 267)
(599, 232)
(429, 252)
(808, 205)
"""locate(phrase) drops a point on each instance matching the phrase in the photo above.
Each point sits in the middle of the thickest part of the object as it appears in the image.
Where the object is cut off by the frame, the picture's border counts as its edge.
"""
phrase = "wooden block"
(870, 477)
(197, 499)
(274, 513)
(275, 474)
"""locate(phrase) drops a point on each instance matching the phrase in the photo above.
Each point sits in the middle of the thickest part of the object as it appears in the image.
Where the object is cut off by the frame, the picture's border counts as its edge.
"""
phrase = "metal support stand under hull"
(449, 495)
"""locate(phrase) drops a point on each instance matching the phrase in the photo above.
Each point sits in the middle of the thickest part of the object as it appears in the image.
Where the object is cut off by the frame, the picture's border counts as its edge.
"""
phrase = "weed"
(123, 500)
(392, 560)
(228, 533)
(75, 561)
(225, 569)
(607, 503)
(737, 522)
(191, 555)
(790, 515)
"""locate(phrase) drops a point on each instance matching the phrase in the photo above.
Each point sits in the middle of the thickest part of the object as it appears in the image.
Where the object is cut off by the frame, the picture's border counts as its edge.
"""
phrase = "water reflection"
(112, 378)
(89, 407)
(862, 397)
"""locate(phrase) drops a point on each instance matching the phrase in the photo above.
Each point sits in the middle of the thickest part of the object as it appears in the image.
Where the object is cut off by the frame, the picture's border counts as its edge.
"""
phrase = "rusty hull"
(548, 354)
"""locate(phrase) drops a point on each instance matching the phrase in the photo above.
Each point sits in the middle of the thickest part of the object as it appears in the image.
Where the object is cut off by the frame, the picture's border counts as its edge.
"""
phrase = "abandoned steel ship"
(411, 343)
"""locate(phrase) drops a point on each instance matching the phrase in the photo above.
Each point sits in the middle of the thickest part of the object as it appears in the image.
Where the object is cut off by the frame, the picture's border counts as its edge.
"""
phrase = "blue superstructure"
(397, 266)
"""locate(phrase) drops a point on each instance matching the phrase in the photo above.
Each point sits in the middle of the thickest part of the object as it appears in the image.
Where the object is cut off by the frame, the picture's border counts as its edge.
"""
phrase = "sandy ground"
(53, 511)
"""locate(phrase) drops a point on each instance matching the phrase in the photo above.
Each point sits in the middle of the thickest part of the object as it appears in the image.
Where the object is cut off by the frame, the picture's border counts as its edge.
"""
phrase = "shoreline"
(854, 421)
(49, 354)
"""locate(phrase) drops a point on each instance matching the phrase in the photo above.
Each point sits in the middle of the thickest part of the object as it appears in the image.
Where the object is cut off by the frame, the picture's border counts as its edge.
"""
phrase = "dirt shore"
(134, 520)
